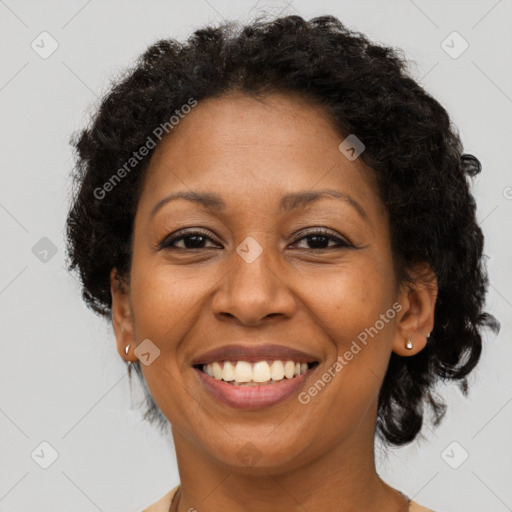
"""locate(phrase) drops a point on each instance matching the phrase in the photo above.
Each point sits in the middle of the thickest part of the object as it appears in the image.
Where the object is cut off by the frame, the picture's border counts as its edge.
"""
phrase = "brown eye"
(192, 240)
(321, 237)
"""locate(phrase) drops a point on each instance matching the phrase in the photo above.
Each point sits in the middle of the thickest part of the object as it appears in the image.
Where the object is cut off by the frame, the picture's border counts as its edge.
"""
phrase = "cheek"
(351, 310)
(348, 298)
(354, 307)
(163, 301)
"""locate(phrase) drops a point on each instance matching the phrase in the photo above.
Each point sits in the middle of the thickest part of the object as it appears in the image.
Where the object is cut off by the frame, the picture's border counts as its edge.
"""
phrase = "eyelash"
(167, 242)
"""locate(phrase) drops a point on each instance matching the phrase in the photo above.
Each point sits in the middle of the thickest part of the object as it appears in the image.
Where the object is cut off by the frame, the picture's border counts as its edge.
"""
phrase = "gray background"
(62, 380)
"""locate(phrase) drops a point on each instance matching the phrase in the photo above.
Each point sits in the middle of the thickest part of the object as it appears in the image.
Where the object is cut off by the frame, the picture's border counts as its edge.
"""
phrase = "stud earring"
(408, 345)
(129, 363)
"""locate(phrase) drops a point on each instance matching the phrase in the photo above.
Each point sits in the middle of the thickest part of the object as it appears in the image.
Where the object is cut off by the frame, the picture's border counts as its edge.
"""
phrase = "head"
(252, 119)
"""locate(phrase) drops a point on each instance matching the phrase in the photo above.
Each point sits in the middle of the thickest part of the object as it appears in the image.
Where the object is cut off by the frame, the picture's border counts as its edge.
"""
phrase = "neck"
(343, 479)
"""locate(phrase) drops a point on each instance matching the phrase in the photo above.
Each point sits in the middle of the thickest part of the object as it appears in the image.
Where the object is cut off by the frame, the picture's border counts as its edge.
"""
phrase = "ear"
(122, 320)
(415, 320)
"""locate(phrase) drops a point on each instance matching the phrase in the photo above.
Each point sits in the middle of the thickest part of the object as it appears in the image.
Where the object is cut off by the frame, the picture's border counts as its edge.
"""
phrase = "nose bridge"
(253, 288)
(253, 262)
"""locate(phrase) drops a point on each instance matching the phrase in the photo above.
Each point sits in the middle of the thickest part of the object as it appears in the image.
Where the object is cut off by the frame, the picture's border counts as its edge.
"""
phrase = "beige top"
(164, 503)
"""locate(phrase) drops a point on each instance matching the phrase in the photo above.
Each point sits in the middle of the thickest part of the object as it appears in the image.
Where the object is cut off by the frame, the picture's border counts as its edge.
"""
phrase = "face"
(256, 267)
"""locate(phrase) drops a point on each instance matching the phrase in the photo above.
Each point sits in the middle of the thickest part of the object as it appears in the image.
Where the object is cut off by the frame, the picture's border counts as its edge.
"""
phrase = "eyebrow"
(305, 197)
(289, 202)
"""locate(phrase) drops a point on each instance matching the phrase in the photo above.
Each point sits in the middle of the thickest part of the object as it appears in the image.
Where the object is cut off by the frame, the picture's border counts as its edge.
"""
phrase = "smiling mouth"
(259, 373)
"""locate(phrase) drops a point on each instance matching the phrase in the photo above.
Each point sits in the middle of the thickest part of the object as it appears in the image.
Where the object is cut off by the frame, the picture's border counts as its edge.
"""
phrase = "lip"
(253, 397)
(253, 353)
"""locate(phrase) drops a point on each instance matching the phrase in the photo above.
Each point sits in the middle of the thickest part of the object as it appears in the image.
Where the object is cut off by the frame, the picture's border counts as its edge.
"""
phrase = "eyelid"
(322, 231)
(340, 240)
(171, 237)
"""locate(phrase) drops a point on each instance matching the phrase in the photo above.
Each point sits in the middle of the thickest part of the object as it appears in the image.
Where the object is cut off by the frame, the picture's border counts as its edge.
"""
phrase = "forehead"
(237, 123)
(247, 148)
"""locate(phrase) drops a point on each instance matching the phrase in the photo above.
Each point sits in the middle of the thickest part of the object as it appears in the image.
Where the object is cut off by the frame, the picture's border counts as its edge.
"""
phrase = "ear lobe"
(122, 320)
(416, 319)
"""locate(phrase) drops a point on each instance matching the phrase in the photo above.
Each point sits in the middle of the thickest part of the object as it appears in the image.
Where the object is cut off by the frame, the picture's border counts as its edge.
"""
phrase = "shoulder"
(163, 504)
(414, 507)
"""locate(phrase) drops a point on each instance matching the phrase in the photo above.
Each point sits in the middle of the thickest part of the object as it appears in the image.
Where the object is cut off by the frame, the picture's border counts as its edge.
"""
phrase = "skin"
(251, 152)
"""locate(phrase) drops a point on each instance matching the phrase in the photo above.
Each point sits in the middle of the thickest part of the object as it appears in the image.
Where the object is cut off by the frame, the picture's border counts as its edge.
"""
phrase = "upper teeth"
(260, 371)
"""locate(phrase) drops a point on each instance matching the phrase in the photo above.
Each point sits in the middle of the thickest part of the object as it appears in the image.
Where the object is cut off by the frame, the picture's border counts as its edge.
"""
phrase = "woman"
(278, 222)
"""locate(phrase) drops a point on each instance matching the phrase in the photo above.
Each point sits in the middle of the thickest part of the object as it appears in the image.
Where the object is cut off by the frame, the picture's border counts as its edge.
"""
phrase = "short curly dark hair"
(410, 143)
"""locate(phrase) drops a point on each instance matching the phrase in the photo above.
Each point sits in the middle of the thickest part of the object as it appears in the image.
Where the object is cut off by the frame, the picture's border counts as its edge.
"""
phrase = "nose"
(254, 290)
